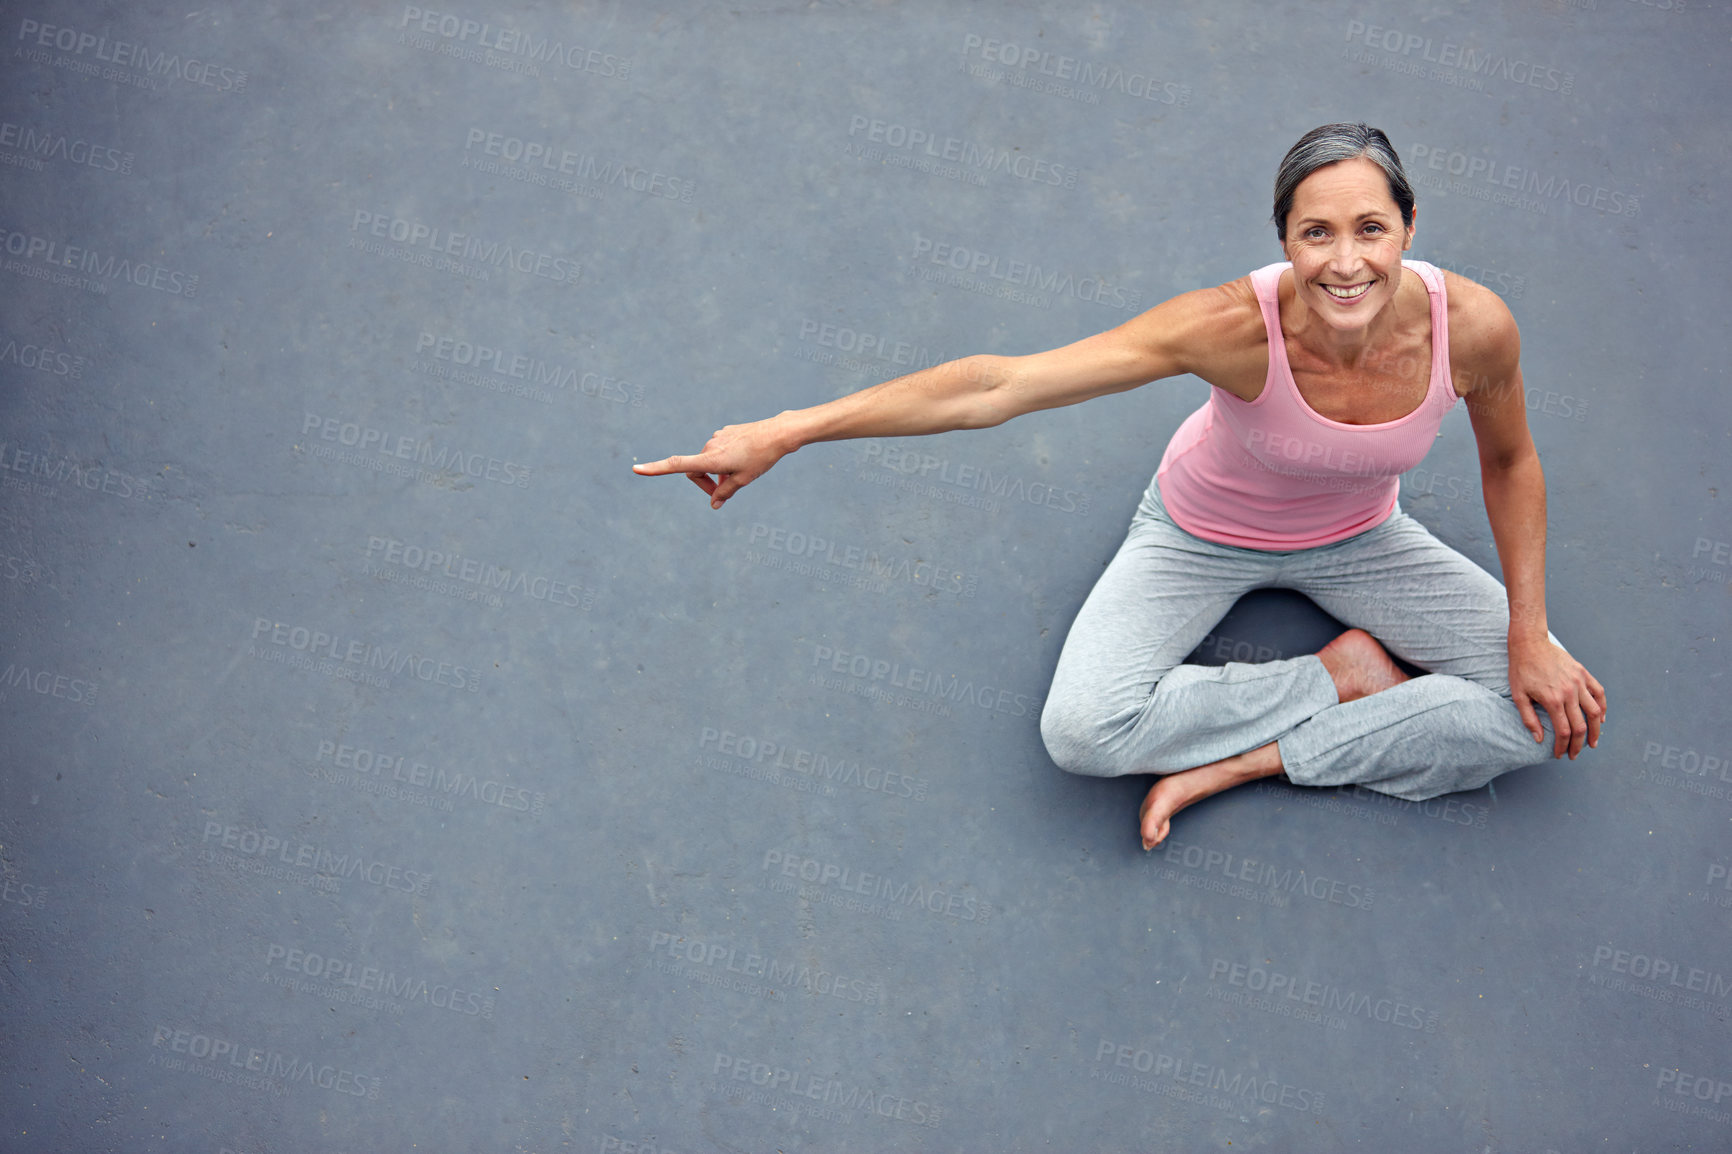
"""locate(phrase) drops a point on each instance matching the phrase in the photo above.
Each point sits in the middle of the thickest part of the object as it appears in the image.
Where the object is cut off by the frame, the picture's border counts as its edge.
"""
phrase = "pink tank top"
(1273, 474)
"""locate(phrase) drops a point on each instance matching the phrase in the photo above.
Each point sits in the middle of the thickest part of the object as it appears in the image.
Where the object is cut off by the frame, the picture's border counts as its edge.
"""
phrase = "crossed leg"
(1358, 665)
(1122, 701)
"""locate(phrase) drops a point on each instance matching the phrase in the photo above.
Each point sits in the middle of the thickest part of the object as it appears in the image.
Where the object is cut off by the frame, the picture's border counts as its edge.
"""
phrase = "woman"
(1331, 371)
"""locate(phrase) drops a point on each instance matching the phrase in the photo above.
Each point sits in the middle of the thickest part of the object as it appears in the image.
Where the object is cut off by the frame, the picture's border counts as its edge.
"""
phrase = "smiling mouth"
(1347, 293)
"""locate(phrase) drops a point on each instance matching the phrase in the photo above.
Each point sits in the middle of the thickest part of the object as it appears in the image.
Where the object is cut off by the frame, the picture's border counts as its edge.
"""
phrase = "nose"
(1343, 258)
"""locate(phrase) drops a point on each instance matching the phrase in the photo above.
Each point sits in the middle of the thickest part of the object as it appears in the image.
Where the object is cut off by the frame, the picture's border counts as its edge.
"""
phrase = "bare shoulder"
(1214, 333)
(1205, 332)
(1233, 309)
(1484, 342)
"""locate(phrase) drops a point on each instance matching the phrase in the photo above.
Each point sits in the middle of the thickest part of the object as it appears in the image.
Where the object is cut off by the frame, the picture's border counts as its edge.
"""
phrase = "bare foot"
(1360, 666)
(1175, 791)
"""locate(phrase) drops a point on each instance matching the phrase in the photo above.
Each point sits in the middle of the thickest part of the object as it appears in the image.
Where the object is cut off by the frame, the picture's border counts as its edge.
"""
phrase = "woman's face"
(1345, 239)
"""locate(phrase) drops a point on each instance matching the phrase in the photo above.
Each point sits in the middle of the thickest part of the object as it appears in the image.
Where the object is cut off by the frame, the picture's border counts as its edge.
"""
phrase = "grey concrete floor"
(385, 767)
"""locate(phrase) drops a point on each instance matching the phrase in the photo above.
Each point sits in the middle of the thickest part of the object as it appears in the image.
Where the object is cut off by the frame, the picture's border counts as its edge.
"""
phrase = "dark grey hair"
(1336, 142)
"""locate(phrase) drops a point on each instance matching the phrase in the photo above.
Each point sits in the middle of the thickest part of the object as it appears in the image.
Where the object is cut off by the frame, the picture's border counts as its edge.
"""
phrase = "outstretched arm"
(972, 393)
(935, 400)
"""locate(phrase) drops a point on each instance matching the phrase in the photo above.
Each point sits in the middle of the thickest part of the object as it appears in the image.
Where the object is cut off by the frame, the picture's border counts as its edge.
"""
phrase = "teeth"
(1346, 294)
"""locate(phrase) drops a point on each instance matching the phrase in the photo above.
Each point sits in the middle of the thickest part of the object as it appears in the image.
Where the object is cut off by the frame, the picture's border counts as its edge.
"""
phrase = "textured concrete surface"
(384, 767)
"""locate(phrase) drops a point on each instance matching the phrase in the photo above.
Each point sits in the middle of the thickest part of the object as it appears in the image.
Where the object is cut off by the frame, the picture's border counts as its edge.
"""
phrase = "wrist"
(1527, 619)
(1525, 638)
(787, 431)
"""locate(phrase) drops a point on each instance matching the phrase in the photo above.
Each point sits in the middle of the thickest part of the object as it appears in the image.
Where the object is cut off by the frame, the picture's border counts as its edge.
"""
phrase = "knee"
(1528, 751)
(1075, 744)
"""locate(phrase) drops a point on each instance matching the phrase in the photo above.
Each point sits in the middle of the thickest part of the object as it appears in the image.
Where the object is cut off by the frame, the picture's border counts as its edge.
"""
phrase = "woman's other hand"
(1543, 674)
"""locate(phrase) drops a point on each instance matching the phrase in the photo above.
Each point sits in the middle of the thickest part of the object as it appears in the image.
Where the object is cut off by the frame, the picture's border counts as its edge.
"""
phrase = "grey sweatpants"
(1121, 702)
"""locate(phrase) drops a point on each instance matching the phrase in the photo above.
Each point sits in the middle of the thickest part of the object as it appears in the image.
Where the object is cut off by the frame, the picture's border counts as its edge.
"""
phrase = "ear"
(1411, 228)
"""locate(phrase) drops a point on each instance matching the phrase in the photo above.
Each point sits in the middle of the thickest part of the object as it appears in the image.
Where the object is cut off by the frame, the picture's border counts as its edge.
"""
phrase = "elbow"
(991, 395)
(1512, 463)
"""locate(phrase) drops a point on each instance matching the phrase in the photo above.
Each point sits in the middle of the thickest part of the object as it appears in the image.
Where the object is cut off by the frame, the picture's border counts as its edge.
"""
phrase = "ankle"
(1264, 761)
(1337, 670)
